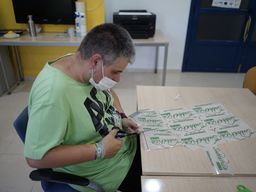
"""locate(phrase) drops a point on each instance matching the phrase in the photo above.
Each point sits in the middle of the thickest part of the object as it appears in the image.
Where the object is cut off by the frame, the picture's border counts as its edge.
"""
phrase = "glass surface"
(220, 27)
(45, 11)
(254, 34)
(208, 4)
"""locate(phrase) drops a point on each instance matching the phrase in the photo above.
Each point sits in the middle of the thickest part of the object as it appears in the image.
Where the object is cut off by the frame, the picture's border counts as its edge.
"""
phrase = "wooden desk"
(61, 39)
(198, 184)
(184, 161)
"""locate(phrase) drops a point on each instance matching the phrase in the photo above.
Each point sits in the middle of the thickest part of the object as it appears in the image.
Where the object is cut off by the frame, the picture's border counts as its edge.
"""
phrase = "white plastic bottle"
(77, 23)
(80, 6)
(31, 26)
(82, 24)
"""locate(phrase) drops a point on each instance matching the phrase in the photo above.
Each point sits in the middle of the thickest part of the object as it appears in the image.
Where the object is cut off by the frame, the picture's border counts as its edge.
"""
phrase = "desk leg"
(20, 69)
(165, 64)
(5, 76)
(156, 58)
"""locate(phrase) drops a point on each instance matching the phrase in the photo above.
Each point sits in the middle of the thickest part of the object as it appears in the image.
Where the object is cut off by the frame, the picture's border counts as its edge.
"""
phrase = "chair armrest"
(59, 177)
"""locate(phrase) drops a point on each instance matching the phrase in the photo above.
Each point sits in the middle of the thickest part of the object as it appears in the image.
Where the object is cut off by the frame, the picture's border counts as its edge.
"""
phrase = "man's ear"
(96, 59)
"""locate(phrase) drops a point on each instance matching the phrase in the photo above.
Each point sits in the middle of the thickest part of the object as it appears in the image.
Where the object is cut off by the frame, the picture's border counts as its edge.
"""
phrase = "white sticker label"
(226, 3)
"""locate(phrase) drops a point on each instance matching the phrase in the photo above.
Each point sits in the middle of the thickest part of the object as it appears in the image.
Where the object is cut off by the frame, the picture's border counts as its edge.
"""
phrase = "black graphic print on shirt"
(97, 111)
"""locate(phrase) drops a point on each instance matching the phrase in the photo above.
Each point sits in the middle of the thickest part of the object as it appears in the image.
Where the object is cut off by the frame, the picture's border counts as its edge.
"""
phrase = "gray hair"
(110, 41)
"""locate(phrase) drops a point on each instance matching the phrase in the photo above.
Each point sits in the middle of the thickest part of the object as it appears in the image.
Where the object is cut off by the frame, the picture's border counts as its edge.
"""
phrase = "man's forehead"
(120, 62)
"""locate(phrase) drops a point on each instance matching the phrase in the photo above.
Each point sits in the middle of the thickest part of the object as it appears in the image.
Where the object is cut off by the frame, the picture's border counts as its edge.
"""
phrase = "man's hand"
(130, 126)
(111, 144)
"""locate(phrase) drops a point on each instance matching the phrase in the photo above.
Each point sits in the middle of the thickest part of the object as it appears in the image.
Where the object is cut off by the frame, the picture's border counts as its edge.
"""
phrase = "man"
(74, 116)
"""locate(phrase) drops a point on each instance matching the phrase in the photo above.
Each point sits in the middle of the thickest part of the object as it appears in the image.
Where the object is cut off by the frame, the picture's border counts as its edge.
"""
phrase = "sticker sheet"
(200, 126)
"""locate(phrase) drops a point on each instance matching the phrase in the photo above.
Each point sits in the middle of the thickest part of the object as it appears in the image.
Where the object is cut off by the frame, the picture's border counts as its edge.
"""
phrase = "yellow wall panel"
(34, 58)
(94, 12)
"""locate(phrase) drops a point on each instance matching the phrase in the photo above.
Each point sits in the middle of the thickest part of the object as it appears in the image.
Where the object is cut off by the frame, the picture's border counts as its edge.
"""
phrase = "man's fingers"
(114, 132)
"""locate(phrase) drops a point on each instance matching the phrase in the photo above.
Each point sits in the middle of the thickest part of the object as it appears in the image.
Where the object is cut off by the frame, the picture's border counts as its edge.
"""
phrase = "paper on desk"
(200, 126)
(218, 160)
(194, 126)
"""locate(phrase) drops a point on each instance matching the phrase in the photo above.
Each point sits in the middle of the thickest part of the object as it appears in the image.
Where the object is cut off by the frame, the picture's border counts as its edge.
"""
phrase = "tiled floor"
(13, 169)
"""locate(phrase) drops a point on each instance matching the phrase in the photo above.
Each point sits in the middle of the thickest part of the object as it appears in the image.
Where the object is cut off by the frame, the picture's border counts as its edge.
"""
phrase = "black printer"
(139, 23)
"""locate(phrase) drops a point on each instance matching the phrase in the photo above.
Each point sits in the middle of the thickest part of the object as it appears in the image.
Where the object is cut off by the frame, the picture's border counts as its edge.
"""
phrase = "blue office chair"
(51, 181)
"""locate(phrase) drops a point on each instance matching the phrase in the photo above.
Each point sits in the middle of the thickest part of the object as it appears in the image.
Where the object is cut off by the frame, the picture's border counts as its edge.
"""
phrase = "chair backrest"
(250, 80)
(20, 124)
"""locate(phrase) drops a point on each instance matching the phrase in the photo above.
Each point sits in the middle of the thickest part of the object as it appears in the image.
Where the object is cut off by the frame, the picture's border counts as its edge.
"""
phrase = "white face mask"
(104, 84)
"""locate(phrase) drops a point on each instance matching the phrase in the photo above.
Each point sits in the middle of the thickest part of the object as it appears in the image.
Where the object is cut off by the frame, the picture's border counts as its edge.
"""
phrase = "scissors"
(120, 133)
(242, 188)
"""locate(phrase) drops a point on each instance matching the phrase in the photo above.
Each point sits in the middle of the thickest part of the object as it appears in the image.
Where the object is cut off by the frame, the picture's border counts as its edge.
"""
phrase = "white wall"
(172, 20)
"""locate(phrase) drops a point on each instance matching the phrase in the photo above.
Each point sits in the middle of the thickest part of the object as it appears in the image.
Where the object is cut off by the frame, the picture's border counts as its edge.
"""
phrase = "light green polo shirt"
(63, 111)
